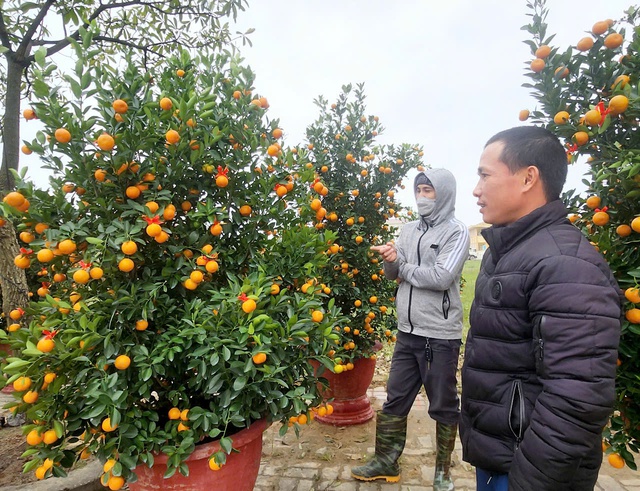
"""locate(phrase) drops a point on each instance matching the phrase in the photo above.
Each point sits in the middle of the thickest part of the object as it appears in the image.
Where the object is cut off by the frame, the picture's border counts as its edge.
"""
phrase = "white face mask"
(425, 206)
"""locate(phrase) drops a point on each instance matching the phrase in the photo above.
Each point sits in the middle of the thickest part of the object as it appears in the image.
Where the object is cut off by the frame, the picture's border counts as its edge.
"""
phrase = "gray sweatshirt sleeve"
(391, 269)
(448, 266)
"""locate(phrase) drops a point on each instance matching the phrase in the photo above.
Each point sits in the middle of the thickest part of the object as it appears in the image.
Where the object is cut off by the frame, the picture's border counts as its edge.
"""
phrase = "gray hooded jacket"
(431, 252)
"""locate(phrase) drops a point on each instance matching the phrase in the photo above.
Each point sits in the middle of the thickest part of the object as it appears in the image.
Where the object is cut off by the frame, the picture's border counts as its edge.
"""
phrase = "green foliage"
(135, 26)
(183, 315)
(467, 291)
(356, 183)
(595, 77)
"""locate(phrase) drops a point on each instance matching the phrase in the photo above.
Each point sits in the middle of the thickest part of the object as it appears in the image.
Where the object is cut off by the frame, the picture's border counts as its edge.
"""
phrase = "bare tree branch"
(63, 43)
(33, 27)
(58, 45)
(142, 47)
(4, 35)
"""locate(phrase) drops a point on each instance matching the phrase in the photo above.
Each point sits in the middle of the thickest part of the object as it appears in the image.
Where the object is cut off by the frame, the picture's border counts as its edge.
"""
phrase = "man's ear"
(531, 177)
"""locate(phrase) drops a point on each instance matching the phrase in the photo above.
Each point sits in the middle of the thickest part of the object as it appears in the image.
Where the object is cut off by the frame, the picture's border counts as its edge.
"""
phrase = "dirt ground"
(316, 439)
(13, 444)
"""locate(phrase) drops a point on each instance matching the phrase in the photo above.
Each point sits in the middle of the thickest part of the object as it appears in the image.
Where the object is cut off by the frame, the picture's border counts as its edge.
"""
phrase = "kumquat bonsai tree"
(146, 31)
(354, 197)
(169, 251)
(588, 96)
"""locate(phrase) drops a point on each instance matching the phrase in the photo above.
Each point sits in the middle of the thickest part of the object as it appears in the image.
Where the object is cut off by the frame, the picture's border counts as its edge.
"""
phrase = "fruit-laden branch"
(115, 31)
(20, 34)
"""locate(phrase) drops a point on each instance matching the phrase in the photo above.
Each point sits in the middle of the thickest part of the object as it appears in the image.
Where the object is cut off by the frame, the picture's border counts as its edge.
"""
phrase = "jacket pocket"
(517, 411)
(446, 304)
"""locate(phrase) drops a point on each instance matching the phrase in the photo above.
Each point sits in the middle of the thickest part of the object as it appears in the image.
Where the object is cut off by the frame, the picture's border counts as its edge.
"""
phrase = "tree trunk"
(11, 125)
(13, 281)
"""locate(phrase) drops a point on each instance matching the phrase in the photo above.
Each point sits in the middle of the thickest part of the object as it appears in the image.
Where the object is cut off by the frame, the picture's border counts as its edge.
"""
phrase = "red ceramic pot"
(351, 405)
(5, 350)
(238, 474)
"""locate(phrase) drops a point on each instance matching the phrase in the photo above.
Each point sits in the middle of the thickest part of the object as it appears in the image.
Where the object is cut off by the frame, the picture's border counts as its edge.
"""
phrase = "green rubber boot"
(391, 434)
(446, 441)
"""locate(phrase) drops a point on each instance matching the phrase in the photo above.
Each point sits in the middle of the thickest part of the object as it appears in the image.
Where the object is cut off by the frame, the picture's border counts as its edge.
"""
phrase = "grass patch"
(469, 274)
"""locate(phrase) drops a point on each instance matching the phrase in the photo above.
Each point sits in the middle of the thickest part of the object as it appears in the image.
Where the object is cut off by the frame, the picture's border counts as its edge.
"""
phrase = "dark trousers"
(410, 370)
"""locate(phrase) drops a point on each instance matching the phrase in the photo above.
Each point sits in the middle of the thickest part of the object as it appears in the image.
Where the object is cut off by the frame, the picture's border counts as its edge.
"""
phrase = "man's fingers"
(387, 251)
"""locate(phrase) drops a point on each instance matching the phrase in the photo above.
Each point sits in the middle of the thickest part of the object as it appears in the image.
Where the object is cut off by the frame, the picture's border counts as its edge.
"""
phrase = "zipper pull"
(541, 346)
(429, 354)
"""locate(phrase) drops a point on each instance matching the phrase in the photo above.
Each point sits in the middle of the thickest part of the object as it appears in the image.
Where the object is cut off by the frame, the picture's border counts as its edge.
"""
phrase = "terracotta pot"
(238, 474)
(351, 406)
(5, 350)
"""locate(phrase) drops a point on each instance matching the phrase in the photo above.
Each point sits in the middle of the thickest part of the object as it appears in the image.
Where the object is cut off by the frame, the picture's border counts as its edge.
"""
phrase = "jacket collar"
(503, 238)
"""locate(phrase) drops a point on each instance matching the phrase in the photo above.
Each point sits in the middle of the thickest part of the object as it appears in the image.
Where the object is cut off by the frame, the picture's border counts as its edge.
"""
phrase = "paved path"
(315, 471)
(318, 473)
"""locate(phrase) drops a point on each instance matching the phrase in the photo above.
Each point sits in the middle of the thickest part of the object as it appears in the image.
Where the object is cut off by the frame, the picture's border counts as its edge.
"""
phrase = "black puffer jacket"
(540, 359)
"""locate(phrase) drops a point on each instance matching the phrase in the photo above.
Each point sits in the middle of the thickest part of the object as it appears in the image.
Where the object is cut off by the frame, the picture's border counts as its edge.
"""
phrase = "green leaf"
(239, 383)
(115, 417)
(16, 365)
(605, 125)
(40, 55)
(58, 426)
(86, 80)
(226, 444)
(93, 411)
(40, 88)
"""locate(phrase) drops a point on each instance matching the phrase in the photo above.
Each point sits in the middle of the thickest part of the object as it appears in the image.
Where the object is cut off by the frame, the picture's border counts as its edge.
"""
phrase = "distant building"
(477, 244)
(395, 224)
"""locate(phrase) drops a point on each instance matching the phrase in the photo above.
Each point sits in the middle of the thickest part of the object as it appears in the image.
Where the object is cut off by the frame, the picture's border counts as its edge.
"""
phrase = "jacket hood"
(444, 183)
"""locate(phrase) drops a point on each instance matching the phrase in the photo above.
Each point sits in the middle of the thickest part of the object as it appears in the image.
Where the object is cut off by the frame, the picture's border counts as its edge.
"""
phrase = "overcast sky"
(444, 74)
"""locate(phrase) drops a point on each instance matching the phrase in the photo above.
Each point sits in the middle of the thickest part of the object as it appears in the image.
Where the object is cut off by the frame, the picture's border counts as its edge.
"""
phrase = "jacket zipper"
(517, 392)
(446, 304)
(411, 287)
(538, 333)
(541, 346)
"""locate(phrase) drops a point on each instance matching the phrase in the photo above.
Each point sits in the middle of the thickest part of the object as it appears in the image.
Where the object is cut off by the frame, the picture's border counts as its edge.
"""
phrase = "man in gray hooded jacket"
(427, 262)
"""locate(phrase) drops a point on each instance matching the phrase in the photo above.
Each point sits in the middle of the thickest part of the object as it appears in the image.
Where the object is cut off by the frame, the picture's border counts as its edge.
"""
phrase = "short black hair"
(533, 145)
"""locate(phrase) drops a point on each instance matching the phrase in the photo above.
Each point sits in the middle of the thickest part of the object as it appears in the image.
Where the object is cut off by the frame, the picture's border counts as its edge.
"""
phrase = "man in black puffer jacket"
(540, 357)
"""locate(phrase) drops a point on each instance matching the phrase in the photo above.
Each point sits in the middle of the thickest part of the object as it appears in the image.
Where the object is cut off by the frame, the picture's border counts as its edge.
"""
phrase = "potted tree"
(354, 196)
(170, 256)
(587, 94)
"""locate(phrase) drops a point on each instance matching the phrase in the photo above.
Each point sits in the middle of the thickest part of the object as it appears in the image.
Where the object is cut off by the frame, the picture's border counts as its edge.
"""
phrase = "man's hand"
(387, 251)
